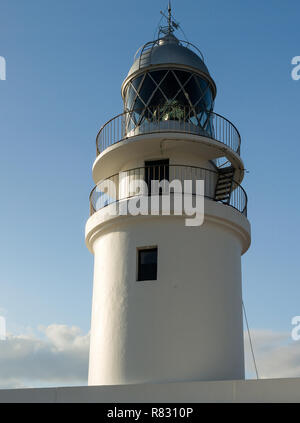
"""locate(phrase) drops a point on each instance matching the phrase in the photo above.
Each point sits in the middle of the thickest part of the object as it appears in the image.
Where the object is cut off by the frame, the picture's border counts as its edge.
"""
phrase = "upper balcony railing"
(185, 120)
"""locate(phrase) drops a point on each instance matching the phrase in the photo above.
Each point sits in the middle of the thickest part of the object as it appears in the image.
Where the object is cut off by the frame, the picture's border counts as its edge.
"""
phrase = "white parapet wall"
(241, 391)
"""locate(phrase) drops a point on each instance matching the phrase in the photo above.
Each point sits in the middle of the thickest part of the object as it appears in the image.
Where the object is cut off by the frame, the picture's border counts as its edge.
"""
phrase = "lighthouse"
(167, 295)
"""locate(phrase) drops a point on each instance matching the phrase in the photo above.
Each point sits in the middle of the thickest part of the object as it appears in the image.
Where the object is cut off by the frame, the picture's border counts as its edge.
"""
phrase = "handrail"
(103, 197)
(209, 124)
(154, 43)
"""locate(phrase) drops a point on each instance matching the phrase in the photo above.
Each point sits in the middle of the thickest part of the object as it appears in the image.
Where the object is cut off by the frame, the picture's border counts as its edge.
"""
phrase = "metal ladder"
(224, 184)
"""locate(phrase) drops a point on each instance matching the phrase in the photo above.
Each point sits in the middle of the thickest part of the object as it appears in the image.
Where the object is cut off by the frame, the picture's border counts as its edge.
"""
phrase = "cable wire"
(251, 346)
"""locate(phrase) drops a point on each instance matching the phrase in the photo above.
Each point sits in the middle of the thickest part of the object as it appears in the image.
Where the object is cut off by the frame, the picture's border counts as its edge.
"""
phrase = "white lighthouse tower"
(167, 297)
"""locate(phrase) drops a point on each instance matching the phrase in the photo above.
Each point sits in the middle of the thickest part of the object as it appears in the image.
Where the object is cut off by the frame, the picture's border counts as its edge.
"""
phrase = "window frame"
(138, 262)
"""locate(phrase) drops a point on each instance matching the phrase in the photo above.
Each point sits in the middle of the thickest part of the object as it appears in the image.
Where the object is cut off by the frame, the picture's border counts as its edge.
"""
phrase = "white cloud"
(276, 354)
(61, 358)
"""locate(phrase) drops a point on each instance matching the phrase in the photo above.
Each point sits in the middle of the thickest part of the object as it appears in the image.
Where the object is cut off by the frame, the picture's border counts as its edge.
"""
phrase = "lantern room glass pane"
(158, 75)
(182, 76)
(130, 96)
(193, 91)
(170, 95)
(157, 100)
(147, 89)
(136, 82)
(207, 98)
(182, 100)
(170, 86)
(138, 106)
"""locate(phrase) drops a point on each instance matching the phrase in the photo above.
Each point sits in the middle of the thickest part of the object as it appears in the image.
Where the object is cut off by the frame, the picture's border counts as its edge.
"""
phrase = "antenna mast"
(172, 24)
(170, 28)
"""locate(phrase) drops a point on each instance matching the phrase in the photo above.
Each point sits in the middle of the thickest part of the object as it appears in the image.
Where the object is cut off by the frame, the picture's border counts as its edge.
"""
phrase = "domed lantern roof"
(168, 50)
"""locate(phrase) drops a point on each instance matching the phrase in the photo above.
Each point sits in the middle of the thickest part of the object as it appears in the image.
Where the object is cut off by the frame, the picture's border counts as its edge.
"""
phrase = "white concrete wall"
(250, 391)
(184, 149)
(185, 326)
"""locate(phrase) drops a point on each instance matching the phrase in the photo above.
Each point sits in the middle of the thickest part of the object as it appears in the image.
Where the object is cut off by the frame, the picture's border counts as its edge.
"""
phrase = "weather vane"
(172, 23)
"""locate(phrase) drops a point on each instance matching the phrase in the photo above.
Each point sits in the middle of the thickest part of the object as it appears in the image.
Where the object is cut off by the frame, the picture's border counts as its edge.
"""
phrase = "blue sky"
(66, 61)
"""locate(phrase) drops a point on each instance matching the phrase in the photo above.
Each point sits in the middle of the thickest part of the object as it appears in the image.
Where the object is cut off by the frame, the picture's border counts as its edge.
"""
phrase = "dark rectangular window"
(156, 170)
(147, 264)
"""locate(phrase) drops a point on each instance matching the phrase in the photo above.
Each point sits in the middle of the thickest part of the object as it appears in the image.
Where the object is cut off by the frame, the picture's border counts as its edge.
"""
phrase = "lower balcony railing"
(139, 181)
